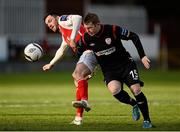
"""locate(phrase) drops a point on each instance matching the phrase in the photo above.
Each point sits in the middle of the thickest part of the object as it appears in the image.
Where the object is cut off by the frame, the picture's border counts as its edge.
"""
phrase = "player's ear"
(97, 24)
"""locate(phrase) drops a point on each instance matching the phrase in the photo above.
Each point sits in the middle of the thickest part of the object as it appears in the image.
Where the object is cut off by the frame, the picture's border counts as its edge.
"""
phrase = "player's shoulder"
(65, 21)
(107, 28)
(111, 26)
(64, 18)
(68, 17)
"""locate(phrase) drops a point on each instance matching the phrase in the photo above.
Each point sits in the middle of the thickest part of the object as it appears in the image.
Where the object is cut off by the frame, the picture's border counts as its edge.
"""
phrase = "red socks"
(83, 89)
(81, 94)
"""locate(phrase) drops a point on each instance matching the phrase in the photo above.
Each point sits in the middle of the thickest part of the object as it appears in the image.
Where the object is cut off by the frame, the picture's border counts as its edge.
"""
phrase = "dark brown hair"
(50, 13)
(91, 18)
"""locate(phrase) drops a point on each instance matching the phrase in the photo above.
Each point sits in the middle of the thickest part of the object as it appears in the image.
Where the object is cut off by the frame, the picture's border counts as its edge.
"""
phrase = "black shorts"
(127, 74)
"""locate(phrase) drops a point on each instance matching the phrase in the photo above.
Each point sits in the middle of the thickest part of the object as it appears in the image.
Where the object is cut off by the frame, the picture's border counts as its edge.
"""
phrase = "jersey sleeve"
(137, 42)
(122, 33)
(76, 23)
(65, 20)
(71, 22)
(125, 34)
(59, 53)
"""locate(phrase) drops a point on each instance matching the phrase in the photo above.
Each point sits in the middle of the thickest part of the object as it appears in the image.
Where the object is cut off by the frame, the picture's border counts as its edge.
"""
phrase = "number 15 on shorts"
(134, 74)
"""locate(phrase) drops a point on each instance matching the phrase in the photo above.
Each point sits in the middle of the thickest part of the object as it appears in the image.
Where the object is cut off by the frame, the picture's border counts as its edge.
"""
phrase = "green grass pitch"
(42, 101)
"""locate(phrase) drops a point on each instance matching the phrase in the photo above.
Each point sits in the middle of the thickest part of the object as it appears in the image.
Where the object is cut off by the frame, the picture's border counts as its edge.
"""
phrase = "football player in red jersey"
(71, 29)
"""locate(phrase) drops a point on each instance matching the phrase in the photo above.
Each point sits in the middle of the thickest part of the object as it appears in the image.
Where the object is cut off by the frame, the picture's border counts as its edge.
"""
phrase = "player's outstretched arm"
(59, 55)
(146, 62)
(136, 41)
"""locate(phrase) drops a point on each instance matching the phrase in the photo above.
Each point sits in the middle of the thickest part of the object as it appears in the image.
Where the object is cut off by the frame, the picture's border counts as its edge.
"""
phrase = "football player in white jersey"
(71, 30)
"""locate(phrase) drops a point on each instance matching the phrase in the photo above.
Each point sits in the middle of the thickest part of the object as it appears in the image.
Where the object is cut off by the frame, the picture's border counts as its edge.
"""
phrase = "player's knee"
(136, 90)
(81, 72)
(78, 75)
(114, 90)
(114, 87)
(73, 75)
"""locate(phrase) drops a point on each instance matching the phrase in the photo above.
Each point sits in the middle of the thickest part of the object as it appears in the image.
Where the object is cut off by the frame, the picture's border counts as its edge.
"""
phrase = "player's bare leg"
(81, 75)
(81, 95)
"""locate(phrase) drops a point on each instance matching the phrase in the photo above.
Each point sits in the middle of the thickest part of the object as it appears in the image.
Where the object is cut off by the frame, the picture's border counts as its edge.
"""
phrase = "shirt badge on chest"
(108, 41)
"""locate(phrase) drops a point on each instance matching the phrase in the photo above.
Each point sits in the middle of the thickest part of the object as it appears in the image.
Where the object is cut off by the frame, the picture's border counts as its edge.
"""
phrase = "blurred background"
(21, 22)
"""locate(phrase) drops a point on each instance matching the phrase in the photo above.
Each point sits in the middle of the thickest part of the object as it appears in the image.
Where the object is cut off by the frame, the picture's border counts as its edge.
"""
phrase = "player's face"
(51, 22)
(92, 29)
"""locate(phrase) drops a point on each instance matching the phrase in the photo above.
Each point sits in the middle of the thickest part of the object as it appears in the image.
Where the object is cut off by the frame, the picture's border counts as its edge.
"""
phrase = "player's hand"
(146, 62)
(72, 44)
(47, 67)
